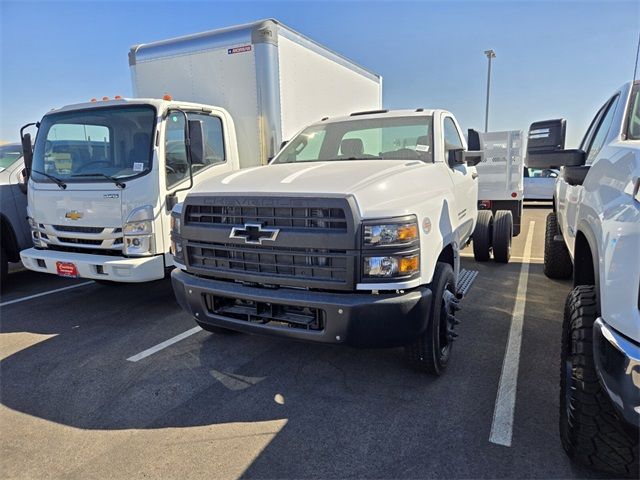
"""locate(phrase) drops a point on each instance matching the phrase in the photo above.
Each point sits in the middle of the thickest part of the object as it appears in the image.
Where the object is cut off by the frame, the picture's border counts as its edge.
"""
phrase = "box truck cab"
(104, 175)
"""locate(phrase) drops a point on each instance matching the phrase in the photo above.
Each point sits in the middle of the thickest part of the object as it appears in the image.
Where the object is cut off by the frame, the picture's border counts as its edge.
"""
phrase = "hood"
(373, 183)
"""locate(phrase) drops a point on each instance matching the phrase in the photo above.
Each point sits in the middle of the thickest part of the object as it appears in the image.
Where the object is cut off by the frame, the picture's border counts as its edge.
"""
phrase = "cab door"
(464, 178)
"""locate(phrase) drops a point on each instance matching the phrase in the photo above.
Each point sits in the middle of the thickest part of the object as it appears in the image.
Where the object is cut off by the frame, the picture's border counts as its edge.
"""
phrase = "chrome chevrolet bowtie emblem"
(73, 215)
(254, 233)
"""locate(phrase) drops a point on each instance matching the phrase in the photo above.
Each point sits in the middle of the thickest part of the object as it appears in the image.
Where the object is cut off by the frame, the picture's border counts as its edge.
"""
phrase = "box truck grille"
(275, 262)
(294, 217)
(75, 229)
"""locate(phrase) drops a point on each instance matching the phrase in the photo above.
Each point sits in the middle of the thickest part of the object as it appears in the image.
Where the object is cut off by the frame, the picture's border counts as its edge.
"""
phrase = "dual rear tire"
(493, 234)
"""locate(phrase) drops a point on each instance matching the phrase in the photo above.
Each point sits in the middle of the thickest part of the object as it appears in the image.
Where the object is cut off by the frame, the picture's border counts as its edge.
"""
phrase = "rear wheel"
(557, 262)
(502, 236)
(591, 431)
(431, 350)
(482, 236)
(214, 329)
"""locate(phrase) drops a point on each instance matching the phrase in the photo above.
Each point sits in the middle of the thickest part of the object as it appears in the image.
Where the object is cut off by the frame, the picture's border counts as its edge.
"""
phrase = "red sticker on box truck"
(67, 269)
(246, 48)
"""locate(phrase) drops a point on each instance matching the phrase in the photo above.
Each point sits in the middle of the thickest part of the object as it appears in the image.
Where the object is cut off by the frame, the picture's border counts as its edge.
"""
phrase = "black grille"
(292, 316)
(92, 251)
(73, 228)
(80, 241)
(301, 263)
(294, 217)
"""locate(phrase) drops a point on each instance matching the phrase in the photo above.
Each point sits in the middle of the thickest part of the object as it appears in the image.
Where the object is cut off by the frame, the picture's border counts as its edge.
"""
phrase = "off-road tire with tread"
(483, 236)
(430, 352)
(502, 236)
(213, 329)
(591, 430)
(557, 262)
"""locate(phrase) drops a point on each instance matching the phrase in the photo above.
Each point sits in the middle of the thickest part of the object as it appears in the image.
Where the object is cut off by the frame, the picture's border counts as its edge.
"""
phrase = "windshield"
(87, 145)
(395, 138)
(9, 154)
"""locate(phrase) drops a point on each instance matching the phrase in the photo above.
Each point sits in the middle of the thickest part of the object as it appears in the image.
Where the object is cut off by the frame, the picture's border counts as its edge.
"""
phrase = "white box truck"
(104, 175)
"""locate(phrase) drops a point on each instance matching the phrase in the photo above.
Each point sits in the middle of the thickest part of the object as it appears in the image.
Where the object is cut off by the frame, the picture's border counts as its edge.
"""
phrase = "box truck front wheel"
(502, 235)
(590, 429)
(431, 350)
(483, 236)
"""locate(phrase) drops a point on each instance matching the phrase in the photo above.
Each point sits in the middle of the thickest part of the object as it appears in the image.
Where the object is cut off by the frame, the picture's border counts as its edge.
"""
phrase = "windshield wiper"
(58, 182)
(97, 174)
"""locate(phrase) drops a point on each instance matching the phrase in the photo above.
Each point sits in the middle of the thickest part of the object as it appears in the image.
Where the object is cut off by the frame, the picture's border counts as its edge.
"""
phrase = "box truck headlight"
(391, 266)
(176, 238)
(36, 234)
(138, 232)
(384, 234)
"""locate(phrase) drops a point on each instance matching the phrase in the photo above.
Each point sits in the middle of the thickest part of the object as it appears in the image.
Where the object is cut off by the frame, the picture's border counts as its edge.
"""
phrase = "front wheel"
(431, 350)
(590, 429)
(557, 262)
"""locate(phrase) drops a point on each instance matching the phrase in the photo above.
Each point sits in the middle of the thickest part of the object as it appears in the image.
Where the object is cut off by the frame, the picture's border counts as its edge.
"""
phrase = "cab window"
(600, 134)
(176, 167)
(452, 140)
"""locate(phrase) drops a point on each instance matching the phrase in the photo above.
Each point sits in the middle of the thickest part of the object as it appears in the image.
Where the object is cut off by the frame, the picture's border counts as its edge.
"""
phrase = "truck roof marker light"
(105, 98)
(117, 97)
(94, 99)
(167, 97)
(514, 194)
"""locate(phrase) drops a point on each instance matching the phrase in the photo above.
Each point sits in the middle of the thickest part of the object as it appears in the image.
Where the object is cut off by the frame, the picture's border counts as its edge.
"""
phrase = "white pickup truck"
(593, 235)
(351, 235)
(105, 174)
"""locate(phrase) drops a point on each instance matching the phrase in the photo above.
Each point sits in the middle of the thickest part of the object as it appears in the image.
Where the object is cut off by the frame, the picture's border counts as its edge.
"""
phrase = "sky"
(553, 58)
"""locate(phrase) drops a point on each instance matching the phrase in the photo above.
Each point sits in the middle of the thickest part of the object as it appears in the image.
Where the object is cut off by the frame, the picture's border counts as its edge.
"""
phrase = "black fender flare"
(585, 229)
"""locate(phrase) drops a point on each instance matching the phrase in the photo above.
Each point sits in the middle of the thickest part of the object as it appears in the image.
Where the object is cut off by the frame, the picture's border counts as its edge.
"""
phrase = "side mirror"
(455, 156)
(473, 158)
(196, 142)
(545, 146)
(27, 151)
(474, 154)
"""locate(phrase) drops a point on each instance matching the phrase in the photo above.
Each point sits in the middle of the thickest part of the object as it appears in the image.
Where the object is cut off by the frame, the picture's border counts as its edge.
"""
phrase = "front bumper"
(357, 319)
(617, 362)
(97, 267)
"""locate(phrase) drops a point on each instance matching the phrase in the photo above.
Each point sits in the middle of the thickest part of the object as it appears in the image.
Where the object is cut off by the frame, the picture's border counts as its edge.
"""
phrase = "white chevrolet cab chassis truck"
(104, 175)
(593, 235)
(350, 235)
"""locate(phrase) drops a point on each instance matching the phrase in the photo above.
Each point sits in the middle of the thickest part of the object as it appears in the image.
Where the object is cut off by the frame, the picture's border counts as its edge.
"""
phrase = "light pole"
(490, 54)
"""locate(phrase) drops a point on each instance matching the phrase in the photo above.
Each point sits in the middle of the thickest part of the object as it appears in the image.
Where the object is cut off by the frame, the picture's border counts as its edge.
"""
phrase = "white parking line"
(24, 299)
(165, 344)
(502, 424)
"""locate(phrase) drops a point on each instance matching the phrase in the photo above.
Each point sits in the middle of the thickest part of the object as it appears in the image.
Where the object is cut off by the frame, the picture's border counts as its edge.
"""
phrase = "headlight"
(138, 232)
(175, 223)
(144, 227)
(390, 234)
(391, 266)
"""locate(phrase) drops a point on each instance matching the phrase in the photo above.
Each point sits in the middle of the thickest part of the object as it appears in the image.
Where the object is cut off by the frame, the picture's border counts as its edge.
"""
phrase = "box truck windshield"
(93, 145)
(393, 138)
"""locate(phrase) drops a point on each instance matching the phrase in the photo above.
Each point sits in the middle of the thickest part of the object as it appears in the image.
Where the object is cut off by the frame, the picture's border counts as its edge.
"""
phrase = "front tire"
(591, 431)
(502, 236)
(482, 236)
(431, 350)
(557, 262)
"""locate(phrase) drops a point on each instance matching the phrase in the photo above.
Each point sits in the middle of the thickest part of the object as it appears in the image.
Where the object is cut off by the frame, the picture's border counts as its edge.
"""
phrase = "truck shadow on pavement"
(348, 412)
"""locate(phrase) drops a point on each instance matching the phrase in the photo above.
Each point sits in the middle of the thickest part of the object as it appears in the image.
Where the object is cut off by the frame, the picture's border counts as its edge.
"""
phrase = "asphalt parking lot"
(90, 388)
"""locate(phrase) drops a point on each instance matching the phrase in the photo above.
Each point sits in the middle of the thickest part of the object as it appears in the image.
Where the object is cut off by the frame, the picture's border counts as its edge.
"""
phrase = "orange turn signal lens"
(117, 97)
(408, 265)
(105, 98)
(94, 99)
(167, 97)
(408, 232)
